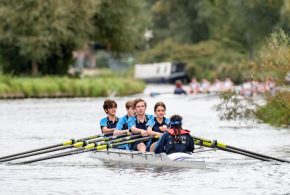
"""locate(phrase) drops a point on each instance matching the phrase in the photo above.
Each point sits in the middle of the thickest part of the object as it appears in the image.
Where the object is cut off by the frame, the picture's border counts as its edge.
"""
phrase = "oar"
(222, 146)
(76, 145)
(66, 143)
(212, 145)
(90, 147)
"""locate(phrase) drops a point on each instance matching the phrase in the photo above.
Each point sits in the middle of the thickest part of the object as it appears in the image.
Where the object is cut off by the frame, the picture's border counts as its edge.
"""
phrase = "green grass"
(39, 87)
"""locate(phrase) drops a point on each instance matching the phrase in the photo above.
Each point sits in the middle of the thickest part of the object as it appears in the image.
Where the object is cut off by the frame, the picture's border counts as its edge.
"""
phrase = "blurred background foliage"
(215, 38)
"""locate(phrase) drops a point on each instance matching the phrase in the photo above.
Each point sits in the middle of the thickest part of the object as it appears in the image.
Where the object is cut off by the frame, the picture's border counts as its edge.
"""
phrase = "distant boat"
(165, 72)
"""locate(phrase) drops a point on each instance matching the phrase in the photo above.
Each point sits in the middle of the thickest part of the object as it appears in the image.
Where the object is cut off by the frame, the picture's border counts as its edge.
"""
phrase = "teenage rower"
(108, 124)
(137, 125)
(157, 125)
(122, 125)
(176, 139)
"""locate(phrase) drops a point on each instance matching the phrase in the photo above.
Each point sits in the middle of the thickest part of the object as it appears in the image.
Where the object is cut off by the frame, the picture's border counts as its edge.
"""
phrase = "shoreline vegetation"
(64, 87)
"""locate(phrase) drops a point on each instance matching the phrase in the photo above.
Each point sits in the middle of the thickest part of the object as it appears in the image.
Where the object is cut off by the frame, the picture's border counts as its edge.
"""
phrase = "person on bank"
(108, 124)
(157, 125)
(137, 125)
(176, 139)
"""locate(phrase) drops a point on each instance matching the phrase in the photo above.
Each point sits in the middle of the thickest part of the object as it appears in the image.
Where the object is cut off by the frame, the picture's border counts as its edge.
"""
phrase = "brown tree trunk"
(34, 68)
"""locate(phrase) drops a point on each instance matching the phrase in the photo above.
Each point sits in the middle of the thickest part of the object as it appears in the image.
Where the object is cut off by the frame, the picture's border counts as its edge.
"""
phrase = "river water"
(32, 123)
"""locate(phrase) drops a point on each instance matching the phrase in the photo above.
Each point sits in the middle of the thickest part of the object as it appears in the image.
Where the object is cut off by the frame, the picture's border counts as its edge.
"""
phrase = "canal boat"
(181, 160)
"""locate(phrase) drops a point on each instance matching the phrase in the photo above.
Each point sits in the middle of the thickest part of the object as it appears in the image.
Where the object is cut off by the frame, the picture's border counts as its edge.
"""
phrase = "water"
(32, 123)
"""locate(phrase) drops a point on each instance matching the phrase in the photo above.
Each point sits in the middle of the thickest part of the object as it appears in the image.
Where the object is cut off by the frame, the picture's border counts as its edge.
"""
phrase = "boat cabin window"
(177, 68)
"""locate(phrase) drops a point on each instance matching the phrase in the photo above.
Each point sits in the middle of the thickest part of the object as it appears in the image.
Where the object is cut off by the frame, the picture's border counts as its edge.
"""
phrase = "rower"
(108, 124)
(157, 125)
(122, 125)
(137, 125)
(178, 88)
(176, 139)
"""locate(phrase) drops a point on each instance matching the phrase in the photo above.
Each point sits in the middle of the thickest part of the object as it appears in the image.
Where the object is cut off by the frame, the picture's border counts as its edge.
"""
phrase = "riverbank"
(57, 87)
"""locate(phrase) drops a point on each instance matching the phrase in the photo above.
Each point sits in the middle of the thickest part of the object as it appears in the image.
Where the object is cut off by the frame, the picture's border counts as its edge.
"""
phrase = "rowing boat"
(182, 160)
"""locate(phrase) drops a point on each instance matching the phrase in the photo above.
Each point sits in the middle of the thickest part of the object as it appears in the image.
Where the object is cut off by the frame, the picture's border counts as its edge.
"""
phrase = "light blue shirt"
(122, 123)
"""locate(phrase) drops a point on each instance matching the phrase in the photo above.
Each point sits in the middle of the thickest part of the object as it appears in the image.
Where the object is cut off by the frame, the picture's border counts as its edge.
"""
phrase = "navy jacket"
(168, 144)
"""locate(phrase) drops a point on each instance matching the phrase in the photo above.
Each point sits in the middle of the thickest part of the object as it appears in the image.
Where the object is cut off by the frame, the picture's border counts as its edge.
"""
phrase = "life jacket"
(182, 132)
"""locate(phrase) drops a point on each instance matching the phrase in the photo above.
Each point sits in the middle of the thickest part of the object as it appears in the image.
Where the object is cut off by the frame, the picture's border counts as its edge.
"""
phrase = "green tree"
(179, 20)
(241, 23)
(41, 34)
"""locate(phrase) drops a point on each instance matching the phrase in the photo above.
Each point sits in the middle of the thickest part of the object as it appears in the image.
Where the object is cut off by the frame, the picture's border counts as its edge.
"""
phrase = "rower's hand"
(163, 128)
(158, 135)
(144, 133)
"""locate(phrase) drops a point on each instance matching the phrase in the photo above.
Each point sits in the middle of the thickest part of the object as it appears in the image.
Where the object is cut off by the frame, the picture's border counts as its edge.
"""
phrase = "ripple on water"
(36, 123)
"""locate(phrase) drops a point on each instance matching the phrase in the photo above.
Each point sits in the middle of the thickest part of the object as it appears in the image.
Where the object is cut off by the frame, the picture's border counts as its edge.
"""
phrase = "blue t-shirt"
(122, 123)
(154, 124)
(133, 122)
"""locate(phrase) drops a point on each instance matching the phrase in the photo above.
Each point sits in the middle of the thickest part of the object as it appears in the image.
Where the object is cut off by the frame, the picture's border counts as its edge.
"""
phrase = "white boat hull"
(162, 160)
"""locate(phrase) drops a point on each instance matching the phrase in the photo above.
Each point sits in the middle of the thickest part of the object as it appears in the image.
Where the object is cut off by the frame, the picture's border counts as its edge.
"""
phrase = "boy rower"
(137, 124)
(122, 125)
(108, 124)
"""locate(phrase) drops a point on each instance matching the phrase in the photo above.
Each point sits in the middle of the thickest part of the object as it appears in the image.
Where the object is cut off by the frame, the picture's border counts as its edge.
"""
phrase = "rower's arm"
(152, 133)
(136, 130)
(120, 132)
(107, 130)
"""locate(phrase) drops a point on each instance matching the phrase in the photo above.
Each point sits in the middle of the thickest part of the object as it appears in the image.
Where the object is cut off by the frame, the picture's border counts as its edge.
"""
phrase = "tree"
(41, 34)
(179, 20)
(241, 23)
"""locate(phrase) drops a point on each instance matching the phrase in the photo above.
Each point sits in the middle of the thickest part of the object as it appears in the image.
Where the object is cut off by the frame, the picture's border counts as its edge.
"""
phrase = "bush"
(15, 87)
(277, 110)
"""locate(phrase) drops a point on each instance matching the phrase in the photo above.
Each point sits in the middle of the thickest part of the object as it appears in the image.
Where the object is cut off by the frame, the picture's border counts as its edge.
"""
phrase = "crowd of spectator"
(248, 88)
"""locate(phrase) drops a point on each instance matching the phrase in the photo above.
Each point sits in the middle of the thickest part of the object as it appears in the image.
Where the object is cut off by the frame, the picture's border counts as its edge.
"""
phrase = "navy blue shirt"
(155, 125)
(105, 122)
(138, 124)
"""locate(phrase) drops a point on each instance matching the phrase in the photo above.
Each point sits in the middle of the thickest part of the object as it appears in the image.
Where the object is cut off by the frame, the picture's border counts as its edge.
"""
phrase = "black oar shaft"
(87, 149)
(222, 146)
(257, 154)
(36, 153)
(66, 143)
(30, 151)
(245, 154)
(77, 151)
(76, 145)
